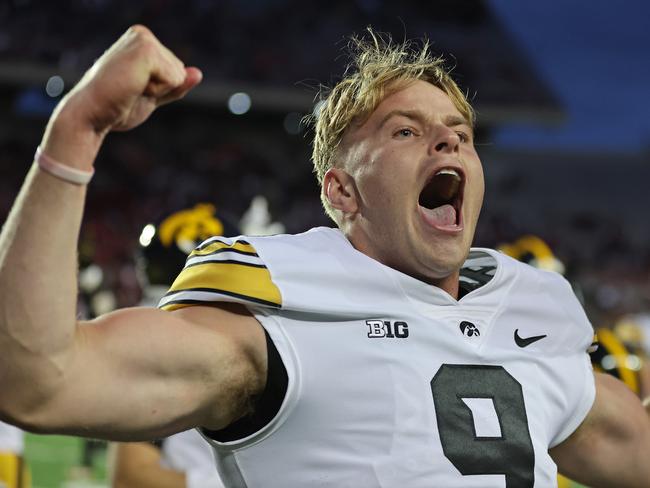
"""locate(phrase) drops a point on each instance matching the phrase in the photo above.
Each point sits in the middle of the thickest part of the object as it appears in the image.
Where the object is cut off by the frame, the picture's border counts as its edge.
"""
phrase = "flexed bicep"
(143, 373)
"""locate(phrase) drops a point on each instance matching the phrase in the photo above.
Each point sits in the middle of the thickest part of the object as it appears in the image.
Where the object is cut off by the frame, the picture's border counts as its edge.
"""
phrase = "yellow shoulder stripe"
(252, 284)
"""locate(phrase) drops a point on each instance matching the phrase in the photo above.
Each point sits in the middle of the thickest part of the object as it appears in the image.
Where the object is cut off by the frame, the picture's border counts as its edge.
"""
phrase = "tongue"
(442, 216)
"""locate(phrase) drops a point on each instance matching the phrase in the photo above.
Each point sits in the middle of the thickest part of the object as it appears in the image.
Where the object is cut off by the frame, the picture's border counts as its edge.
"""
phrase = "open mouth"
(441, 199)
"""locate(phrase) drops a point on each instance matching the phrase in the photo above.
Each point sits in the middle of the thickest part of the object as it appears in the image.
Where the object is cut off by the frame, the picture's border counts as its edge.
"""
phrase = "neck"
(448, 283)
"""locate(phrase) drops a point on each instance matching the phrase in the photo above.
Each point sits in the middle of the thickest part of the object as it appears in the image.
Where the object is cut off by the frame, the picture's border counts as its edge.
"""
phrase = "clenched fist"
(133, 77)
(126, 84)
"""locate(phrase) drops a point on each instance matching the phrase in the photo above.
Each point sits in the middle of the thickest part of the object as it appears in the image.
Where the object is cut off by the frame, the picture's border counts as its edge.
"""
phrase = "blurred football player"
(13, 470)
(535, 251)
(633, 330)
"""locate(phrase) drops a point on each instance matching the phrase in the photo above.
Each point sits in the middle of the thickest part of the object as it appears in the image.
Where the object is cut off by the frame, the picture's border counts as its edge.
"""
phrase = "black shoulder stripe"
(230, 249)
(225, 261)
(189, 301)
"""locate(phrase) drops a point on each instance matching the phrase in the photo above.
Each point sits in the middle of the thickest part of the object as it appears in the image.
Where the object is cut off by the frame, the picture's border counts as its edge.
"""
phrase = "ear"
(340, 190)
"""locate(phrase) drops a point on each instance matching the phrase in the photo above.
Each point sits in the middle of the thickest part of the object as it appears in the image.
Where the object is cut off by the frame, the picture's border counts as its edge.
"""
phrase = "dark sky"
(595, 55)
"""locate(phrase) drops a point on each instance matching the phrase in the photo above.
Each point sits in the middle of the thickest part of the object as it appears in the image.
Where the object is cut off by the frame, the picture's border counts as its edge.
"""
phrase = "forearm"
(38, 265)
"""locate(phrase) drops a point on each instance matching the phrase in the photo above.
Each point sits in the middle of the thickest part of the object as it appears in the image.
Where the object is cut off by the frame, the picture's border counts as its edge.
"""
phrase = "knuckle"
(148, 49)
(142, 36)
(139, 30)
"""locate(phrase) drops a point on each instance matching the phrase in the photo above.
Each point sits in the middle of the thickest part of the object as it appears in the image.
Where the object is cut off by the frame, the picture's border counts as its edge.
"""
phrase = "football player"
(342, 356)
(13, 469)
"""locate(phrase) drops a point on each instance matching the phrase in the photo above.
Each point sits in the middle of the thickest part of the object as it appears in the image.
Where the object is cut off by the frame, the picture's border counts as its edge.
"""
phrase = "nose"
(446, 140)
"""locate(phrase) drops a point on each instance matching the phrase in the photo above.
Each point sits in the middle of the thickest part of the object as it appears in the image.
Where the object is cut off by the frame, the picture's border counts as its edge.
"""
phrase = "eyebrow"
(417, 115)
(455, 120)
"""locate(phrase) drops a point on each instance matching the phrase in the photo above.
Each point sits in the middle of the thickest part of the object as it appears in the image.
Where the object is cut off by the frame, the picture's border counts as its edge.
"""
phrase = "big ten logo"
(386, 328)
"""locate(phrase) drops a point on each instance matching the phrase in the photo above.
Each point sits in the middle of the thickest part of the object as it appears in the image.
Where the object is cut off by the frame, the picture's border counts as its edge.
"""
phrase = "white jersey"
(393, 383)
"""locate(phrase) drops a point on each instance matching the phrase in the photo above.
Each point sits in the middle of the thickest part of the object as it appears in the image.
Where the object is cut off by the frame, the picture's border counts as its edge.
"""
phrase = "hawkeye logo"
(386, 328)
(469, 329)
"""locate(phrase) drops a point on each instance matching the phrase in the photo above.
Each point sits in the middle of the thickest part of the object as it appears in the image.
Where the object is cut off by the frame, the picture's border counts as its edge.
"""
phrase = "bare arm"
(612, 446)
(132, 374)
(142, 373)
(137, 465)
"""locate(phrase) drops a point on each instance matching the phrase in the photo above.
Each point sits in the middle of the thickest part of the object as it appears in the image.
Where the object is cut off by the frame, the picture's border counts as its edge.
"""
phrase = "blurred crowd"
(273, 42)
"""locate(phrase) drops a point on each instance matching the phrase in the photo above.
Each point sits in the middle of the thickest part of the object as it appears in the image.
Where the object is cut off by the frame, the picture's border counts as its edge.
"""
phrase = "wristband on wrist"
(61, 171)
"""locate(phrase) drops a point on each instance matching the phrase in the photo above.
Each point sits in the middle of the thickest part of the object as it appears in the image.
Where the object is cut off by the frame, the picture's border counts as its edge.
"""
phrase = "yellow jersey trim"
(218, 271)
(13, 473)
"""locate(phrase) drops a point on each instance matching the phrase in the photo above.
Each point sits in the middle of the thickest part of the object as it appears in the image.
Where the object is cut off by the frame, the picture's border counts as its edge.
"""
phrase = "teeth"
(445, 184)
(448, 171)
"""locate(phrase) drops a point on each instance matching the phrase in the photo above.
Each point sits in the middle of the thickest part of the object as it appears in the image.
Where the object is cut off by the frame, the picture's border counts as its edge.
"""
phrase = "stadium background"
(563, 131)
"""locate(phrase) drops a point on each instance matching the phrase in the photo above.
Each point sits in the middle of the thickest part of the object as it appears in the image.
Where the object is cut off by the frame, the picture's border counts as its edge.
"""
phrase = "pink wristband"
(61, 171)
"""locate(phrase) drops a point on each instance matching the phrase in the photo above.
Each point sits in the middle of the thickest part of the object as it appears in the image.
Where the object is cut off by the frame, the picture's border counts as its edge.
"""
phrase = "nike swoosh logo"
(526, 341)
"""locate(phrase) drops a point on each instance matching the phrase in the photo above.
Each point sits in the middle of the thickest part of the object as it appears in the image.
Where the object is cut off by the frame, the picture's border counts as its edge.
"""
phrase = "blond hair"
(379, 67)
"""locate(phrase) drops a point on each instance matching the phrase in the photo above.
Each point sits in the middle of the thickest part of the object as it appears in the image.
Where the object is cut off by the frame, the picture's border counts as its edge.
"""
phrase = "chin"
(446, 262)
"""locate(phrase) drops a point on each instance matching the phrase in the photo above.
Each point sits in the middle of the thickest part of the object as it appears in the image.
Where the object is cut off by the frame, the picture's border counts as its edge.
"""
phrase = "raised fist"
(126, 84)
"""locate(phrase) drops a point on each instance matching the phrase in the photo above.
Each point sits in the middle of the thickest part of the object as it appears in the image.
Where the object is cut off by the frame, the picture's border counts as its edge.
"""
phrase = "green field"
(59, 462)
